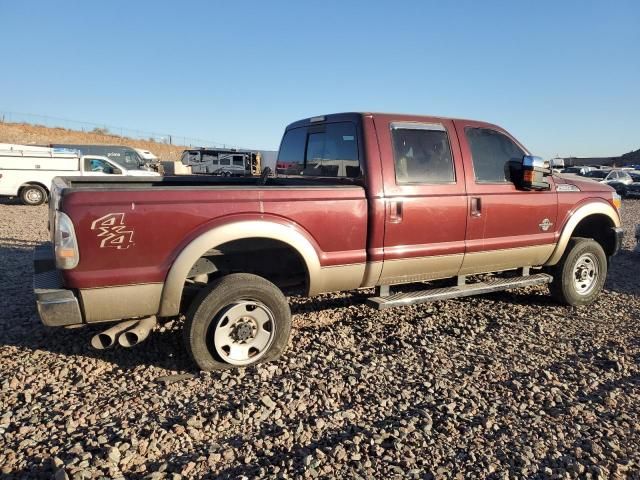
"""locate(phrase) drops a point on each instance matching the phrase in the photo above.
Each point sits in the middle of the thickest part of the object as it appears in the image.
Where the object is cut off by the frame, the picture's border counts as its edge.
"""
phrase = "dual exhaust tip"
(127, 333)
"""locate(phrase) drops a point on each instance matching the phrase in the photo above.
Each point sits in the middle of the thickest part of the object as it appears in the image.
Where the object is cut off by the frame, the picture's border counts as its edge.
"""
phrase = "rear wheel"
(33, 195)
(580, 275)
(238, 320)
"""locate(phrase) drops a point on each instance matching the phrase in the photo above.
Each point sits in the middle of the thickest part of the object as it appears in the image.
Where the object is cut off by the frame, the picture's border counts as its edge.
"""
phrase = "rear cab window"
(320, 150)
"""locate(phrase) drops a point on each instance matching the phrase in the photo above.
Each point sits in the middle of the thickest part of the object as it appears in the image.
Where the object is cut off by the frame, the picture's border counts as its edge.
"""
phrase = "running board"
(431, 295)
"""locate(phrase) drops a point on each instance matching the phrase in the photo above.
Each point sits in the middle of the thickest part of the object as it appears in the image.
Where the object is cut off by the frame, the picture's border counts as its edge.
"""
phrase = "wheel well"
(599, 228)
(274, 260)
(28, 184)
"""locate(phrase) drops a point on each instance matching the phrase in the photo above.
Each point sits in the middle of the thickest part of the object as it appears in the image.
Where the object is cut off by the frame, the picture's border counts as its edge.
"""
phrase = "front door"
(425, 199)
(507, 228)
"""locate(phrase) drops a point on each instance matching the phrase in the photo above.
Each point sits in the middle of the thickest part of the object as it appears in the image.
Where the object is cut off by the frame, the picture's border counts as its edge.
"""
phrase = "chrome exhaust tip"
(137, 334)
(107, 339)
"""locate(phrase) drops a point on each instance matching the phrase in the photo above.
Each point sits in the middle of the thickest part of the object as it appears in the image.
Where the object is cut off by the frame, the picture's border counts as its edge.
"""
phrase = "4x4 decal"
(113, 232)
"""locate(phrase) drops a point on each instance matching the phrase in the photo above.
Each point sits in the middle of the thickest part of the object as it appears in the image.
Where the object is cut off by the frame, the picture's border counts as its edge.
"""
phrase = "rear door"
(506, 227)
(426, 206)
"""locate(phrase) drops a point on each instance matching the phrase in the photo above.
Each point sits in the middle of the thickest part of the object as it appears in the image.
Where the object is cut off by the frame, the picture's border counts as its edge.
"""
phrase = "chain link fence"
(99, 128)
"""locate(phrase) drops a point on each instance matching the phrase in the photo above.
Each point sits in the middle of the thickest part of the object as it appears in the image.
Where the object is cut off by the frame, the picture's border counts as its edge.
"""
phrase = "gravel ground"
(506, 385)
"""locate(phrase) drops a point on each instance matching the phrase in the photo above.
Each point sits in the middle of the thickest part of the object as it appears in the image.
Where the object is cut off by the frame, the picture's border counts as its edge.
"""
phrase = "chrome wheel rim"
(585, 273)
(33, 195)
(244, 332)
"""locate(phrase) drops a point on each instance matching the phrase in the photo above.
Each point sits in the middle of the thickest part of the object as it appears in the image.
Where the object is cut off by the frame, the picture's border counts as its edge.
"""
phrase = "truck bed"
(195, 182)
(159, 216)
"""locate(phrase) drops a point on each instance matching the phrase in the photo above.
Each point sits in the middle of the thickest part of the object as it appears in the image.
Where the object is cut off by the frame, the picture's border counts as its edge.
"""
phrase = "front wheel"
(33, 195)
(580, 275)
(238, 320)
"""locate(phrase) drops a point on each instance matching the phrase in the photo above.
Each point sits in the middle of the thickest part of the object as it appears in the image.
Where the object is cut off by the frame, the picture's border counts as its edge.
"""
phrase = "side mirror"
(531, 173)
(529, 161)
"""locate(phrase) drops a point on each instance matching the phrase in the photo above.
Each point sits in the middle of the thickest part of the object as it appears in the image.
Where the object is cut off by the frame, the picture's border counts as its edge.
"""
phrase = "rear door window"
(325, 150)
(491, 152)
(422, 154)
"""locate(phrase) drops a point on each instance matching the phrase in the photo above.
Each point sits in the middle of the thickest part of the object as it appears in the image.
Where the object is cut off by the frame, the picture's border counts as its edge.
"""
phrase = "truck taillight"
(65, 244)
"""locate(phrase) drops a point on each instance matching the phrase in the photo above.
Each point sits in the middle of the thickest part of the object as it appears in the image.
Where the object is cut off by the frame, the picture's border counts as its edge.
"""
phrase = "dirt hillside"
(27, 134)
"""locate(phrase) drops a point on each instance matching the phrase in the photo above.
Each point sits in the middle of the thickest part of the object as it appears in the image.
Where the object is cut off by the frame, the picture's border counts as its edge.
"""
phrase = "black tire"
(207, 313)
(569, 286)
(33, 195)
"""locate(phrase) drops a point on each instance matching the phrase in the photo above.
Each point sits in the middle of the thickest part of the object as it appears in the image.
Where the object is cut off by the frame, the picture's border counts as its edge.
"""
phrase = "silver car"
(609, 176)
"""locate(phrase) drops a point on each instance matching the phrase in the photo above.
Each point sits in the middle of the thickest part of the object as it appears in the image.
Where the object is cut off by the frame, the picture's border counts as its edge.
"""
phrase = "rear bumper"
(619, 235)
(56, 305)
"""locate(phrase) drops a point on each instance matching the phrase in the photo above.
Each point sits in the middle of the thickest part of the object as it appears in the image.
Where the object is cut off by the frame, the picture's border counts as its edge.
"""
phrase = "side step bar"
(431, 295)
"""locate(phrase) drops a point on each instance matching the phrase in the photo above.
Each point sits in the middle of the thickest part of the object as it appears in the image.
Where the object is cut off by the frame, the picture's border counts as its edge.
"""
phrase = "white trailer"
(27, 171)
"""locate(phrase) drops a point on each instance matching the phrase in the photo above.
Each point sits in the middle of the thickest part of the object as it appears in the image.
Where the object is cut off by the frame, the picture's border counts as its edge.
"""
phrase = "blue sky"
(563, 77)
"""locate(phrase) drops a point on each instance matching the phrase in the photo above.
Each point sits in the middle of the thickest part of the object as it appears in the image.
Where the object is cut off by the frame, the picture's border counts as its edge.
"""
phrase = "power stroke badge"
(113, 232)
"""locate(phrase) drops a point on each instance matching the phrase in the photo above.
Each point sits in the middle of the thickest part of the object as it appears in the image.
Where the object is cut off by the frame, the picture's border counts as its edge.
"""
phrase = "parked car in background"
(578, 170)
(127, 157)
(608, 176)
(596, 175)
(635, 175)
(617, 179)
(147, 156)
(27, 172)
(557, 164)
(633, 189)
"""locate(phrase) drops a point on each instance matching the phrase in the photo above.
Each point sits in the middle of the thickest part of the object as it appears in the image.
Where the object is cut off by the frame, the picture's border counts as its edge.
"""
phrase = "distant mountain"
(27, 134)
(631, 157)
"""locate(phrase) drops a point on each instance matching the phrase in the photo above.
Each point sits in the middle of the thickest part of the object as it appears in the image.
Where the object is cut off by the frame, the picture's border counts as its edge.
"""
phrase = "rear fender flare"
(174, 283)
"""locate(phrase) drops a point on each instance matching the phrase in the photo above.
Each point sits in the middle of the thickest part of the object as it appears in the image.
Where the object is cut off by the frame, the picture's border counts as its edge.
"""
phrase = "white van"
(147, 156)
(27, 171)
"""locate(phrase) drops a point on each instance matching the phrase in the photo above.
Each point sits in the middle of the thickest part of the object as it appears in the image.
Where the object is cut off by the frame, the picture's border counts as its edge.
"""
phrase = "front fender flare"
(582, 212)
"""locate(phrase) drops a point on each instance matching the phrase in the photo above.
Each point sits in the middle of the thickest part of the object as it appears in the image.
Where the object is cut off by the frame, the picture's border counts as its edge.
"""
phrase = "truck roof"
(351, 116)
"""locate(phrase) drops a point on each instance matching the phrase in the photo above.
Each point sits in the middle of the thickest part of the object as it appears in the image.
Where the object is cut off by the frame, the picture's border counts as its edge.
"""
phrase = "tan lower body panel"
(497, 260)
(343, 277)
(116, 303)
(420, 269)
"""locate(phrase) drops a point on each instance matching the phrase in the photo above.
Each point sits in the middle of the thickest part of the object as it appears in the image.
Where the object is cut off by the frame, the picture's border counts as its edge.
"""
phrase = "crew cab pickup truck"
(368, 201)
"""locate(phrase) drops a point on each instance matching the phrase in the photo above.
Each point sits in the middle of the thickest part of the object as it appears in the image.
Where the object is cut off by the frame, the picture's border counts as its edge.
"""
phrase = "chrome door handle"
(395, 211)
(476, 206)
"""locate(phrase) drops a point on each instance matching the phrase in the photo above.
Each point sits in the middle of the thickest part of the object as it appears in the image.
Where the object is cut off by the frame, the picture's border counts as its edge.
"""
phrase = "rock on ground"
(499, 386)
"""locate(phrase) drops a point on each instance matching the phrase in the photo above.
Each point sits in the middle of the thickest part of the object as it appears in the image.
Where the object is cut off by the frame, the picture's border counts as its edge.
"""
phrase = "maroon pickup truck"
(360, 200)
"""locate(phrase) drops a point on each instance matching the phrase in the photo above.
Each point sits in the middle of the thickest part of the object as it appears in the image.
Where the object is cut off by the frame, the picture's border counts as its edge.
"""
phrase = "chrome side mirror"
(533, 173)
(530, 162)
